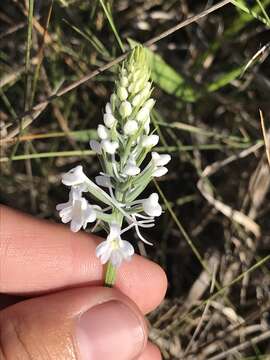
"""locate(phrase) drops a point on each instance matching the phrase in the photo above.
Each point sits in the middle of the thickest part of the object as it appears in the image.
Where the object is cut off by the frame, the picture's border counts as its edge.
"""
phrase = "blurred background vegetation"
(211, 77)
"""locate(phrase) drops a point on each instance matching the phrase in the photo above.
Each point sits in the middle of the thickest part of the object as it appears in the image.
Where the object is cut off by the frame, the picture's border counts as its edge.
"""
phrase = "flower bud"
(114, 101)
(143, 114)
(131, 88)
(145, 91)
(150, 141)
(109, 120)
(125, 109)
(109, 146)
(130, 127)
(124, 81)
(122, 93)
(136, 100)
(103, 132)
(149, 104)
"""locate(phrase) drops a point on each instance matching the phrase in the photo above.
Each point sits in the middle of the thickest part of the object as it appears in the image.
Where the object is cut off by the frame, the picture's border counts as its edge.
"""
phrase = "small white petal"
(110, 147)
(96, 146)
(125, 109)
(103, 181)
(127, 248)
(102, 248)
(75, 226)
(74, 176)
(150, 141)
(109, 120)
(103, 132)
(89, 215)
(130, 127)
(160, 171)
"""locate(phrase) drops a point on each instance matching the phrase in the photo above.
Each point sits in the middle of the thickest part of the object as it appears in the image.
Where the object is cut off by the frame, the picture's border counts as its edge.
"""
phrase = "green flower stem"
(110, 276)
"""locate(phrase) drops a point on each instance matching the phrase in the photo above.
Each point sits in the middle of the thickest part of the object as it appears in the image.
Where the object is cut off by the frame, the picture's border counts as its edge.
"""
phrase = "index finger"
(39, 256)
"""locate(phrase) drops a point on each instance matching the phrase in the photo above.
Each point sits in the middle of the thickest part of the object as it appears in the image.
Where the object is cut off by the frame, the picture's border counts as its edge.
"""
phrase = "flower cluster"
(125, 141)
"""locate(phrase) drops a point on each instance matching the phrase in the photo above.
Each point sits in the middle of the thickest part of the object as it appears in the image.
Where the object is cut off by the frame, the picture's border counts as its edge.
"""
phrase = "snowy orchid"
(123, 146)
(114, 248)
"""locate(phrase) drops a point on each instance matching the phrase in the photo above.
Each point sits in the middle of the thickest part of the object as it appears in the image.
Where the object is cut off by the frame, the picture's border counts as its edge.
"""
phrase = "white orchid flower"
(151, 205)
(131, 169)
(114, 249)
(77, 211)
(74, 176)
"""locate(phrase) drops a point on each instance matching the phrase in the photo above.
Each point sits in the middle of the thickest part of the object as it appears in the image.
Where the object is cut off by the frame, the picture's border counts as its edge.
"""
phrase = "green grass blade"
(111, 22)
(27, 55)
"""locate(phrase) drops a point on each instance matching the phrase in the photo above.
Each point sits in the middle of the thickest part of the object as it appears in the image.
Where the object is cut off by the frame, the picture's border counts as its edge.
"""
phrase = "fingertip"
(144, 281)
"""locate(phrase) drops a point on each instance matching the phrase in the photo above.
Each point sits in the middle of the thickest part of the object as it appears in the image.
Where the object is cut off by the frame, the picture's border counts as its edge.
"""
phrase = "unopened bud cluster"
(125, 140)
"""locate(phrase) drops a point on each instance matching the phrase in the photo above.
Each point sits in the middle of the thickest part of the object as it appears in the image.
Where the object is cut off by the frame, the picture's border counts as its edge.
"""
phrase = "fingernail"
(110, 331)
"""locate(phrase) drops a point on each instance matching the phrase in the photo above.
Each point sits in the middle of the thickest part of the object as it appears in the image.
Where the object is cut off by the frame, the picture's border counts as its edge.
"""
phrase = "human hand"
(66, 313)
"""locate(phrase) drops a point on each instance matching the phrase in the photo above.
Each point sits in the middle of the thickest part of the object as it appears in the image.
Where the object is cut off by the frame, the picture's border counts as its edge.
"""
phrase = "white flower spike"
(125, 140)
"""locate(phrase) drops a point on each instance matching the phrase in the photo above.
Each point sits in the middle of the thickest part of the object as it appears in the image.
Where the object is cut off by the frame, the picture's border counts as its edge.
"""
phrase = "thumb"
(85, 323)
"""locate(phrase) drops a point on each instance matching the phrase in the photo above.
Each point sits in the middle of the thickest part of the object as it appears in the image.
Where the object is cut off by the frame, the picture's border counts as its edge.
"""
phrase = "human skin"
(53, 303)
